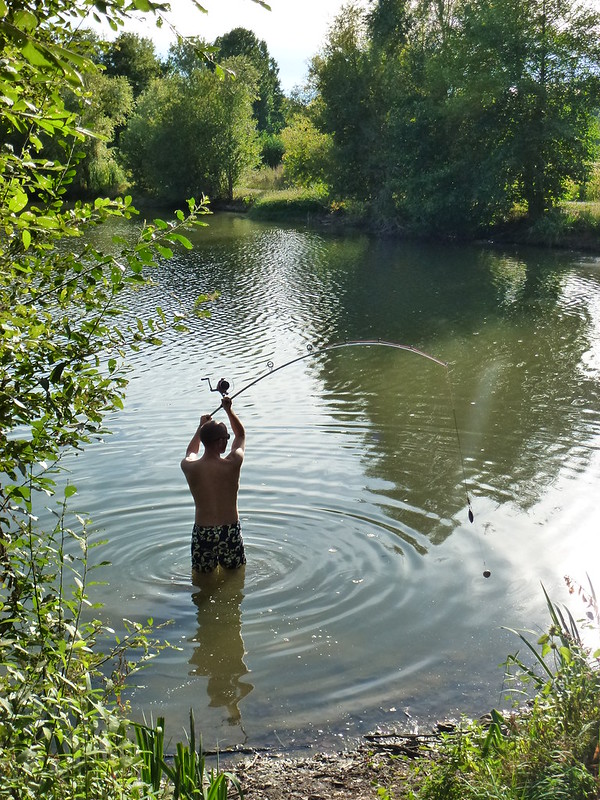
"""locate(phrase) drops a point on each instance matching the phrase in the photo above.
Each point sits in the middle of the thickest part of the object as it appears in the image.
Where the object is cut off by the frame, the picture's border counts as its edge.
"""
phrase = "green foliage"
(548, 748)
(591, 189)
(188, 55)
(290, 204)
(132, 57)
(347, 87)
(307, 152)
(444, 116)
(210, 118)
(62, 733)
(272, 149)
(263, 178)
(62, 356)
(190, 777)
(268, 104)
(105, 107)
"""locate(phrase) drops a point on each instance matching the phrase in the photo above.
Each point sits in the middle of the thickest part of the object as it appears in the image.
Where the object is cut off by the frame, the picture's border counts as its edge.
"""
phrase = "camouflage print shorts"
(218, 544)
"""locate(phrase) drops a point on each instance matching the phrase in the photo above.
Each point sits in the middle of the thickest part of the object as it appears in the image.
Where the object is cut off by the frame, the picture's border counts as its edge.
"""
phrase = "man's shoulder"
(235, 457)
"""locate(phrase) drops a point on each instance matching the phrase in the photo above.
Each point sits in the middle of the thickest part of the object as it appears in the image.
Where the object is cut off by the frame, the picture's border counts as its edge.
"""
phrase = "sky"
(294, 30)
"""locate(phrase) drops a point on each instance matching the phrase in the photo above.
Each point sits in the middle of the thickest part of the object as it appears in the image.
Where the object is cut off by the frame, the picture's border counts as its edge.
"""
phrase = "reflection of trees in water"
(515, 332)
(219, 651)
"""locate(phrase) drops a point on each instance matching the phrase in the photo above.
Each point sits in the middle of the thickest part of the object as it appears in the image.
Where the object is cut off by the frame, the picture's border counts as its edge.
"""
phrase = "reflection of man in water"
(219, 650)
(214, 483)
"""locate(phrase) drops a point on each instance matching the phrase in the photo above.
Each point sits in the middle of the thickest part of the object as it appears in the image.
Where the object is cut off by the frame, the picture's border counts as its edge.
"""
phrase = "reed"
(187, 777)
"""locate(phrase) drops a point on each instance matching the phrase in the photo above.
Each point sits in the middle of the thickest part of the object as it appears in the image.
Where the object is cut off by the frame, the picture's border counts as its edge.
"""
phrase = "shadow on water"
(516, 332)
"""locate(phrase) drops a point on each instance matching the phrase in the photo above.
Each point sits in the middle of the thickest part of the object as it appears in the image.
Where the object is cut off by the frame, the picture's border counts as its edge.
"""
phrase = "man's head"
(212, 431)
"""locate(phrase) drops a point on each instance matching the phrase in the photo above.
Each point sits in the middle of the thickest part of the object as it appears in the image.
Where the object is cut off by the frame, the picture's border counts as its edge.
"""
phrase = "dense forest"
(428, 117)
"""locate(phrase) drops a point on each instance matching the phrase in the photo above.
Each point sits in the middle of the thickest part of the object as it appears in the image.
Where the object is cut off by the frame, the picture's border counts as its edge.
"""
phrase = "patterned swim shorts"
(219, 544)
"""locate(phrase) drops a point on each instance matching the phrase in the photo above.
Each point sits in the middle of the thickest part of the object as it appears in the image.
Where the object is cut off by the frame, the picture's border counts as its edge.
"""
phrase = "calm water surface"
(363, 602)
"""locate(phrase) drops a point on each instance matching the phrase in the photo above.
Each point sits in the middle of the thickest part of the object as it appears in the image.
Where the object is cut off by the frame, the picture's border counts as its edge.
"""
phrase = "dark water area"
(363, 603)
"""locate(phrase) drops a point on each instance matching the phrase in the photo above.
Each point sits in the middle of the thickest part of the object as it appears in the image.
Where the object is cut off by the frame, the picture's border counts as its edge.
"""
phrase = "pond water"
(363, 603)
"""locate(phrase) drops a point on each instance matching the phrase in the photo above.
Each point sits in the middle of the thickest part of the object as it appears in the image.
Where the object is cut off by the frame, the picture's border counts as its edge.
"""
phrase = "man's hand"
(204, 418)
(226, 403)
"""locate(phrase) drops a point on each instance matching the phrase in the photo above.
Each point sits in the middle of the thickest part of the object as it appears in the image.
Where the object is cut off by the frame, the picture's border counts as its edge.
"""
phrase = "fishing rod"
(223, 387)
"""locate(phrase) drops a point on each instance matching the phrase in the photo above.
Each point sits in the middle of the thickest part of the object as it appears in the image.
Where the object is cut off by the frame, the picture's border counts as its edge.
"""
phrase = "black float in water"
(486, 573)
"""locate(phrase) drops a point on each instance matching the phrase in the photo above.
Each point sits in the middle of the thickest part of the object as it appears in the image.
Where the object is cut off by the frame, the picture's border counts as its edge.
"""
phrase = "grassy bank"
(574, 225)
(545, 749)
(283, 205)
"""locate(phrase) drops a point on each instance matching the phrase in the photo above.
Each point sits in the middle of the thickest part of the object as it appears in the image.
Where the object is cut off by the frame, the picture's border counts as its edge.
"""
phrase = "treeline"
(181, 127)
(425, 116)
(446, 115)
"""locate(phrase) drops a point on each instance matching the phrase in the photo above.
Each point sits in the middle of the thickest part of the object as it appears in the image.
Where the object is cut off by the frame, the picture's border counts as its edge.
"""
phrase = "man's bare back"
(214, 482)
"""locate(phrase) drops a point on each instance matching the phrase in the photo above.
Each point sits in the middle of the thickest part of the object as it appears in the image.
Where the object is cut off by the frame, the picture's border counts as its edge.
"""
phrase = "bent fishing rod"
(223, 387)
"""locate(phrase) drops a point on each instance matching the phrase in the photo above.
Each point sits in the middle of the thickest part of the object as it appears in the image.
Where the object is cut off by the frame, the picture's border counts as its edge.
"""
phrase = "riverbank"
(358, 774)
(382, 764)
(573, 226)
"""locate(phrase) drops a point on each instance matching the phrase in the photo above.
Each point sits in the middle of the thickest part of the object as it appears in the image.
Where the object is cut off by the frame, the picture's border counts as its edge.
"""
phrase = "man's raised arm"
(239, 433)
(193, 447)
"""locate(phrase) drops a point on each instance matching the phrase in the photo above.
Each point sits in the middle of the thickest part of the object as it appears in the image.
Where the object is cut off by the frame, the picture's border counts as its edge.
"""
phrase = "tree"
(209, 118)
(307, 152)
(61, 356)
(133, 57)
(106, 106)
(187, 55)
(445, 114)
(268, 105)
(351, 110)
(539, 64)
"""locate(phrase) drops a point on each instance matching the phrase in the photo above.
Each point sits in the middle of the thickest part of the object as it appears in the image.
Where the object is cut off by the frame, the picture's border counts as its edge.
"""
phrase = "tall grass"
(548, 747)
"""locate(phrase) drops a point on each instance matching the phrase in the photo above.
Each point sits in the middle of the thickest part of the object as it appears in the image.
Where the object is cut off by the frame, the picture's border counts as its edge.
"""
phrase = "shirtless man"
(214, 483)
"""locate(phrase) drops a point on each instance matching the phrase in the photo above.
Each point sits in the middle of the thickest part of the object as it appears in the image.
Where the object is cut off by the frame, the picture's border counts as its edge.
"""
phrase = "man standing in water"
(214, 483)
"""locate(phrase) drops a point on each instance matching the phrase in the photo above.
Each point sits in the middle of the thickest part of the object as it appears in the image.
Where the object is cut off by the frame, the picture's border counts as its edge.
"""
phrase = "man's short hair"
(211, 431)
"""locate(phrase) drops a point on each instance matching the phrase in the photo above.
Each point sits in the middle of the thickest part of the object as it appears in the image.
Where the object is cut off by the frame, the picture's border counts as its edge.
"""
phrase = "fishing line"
(486, 571)
(223, 387)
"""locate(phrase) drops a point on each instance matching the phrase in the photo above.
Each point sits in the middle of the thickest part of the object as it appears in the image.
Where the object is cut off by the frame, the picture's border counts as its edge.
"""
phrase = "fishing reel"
(222, 386)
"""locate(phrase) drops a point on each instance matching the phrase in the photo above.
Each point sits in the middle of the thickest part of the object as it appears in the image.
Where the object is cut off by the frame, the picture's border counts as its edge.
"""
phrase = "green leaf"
(34, 55)
(24, 20)
(178, 237)
(566, 654)
(18, 201)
